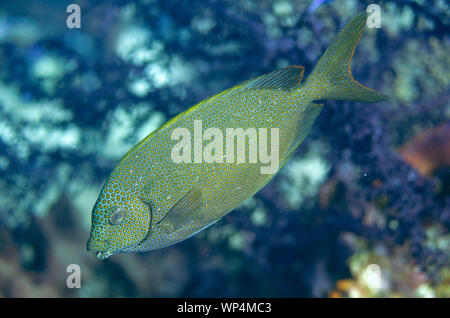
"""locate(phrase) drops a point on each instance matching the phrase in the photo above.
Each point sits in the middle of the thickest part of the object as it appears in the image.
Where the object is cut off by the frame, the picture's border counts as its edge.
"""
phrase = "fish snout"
(96, 245)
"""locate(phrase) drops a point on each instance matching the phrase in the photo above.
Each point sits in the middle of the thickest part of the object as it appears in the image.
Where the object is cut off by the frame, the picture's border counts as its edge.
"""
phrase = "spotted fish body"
(150, 202)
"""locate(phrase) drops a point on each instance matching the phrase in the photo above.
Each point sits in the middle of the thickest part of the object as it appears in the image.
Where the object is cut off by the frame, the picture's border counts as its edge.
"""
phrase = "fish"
(151, 201)
(429, 151)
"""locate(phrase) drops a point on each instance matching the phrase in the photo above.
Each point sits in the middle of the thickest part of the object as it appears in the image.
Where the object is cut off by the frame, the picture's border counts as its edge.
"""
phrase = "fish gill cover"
(74, 101)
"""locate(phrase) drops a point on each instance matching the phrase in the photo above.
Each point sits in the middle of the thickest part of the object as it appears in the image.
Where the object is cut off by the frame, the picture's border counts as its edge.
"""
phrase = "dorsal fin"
(184, 211)
(284, 78)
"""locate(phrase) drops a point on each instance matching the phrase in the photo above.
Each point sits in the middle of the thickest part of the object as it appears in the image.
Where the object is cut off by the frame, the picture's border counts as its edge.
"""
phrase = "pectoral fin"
(184, 211)
(284, 78)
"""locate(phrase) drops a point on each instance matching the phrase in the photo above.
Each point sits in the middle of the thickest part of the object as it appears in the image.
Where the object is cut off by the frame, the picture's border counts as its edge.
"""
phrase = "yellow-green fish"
(199, 166)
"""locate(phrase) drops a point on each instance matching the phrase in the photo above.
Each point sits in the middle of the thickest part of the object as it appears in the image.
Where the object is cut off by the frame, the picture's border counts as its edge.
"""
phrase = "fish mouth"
(101, 247)
(103, 255)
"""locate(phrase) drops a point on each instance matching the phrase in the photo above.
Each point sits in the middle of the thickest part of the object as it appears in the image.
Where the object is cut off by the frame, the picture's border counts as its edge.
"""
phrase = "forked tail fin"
(332, 78)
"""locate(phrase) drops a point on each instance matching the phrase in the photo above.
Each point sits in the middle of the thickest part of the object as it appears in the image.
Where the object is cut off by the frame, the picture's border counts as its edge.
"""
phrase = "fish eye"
(117, 217)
